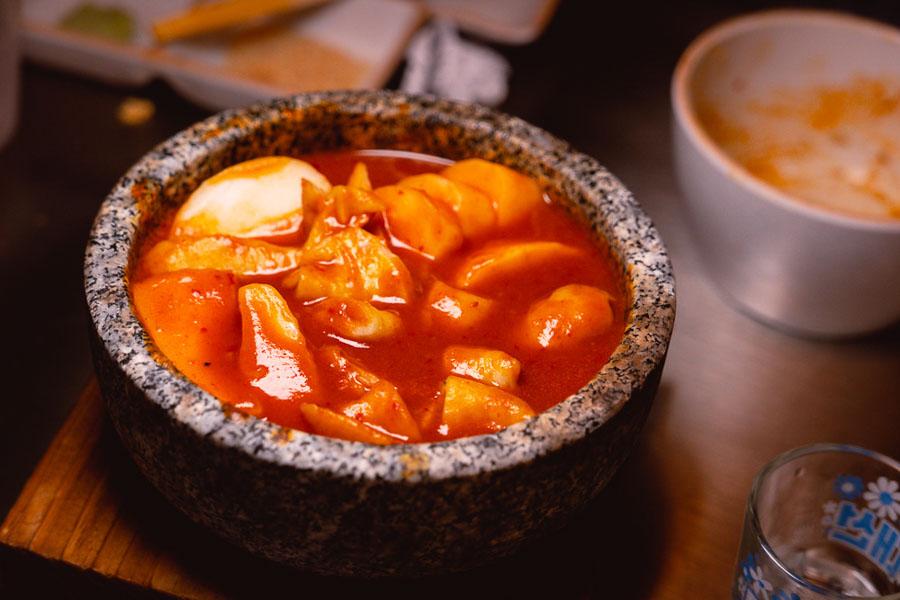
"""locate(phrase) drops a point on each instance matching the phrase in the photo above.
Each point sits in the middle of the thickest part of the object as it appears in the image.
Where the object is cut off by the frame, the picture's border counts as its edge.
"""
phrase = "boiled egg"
(258, 198)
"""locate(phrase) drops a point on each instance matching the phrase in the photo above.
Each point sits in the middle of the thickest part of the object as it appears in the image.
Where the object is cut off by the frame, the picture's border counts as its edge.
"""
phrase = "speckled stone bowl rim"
(629, 231)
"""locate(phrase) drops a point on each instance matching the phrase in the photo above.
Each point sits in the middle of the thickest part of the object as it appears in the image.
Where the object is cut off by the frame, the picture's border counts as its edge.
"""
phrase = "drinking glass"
(822, 521)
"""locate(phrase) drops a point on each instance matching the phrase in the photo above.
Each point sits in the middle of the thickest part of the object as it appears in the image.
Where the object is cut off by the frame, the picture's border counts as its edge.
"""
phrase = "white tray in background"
(371, 32)
(504, 21)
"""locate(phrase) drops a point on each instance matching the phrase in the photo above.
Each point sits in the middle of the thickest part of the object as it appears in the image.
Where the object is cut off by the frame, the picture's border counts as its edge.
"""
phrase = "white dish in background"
(785, 261)
(504, 21)
(367, 37)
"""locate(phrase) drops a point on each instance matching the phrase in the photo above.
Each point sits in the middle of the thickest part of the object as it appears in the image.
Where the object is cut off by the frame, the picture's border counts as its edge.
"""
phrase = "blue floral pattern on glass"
(848, 487)
(754, 586)
(883, 498)
(865, 518)
(868, 527)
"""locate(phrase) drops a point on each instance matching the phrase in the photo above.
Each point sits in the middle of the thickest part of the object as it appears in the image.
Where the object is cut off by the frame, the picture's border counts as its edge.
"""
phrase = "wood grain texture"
(42, 496)
(734, 393)
(86, 506)
(667, 526)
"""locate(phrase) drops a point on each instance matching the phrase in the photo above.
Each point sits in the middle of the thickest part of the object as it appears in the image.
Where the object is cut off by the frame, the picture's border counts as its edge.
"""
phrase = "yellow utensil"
(206, 18)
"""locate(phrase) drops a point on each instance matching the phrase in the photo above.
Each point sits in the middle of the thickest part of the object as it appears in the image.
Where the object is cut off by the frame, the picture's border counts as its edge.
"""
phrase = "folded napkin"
(440, 62)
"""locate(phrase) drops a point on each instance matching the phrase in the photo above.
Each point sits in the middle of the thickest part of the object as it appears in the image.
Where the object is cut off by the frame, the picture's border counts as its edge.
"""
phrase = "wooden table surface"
(734, 392)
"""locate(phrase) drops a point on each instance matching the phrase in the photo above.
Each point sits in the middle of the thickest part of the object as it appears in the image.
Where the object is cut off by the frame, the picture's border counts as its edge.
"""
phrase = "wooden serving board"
(86, 507)
(88, 524)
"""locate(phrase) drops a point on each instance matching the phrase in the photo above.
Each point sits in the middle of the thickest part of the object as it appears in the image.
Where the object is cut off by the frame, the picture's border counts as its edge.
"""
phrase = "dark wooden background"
(734, 393)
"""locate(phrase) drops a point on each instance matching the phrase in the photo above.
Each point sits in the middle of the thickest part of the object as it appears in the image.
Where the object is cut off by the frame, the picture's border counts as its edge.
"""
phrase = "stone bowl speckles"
(348, 508)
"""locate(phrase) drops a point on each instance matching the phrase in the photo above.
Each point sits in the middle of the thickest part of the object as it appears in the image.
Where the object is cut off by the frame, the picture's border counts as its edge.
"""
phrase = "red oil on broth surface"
(490, 303)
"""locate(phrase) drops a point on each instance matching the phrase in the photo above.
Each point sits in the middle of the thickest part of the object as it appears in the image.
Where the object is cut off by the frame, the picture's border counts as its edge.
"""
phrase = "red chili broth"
(412, 361)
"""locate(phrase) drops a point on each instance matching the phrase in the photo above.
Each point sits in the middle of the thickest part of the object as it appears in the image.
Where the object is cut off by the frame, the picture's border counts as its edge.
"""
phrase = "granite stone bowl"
(348, 508)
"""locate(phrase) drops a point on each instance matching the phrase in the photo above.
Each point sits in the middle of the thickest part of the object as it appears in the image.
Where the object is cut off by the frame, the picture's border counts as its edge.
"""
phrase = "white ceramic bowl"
(799, 267)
